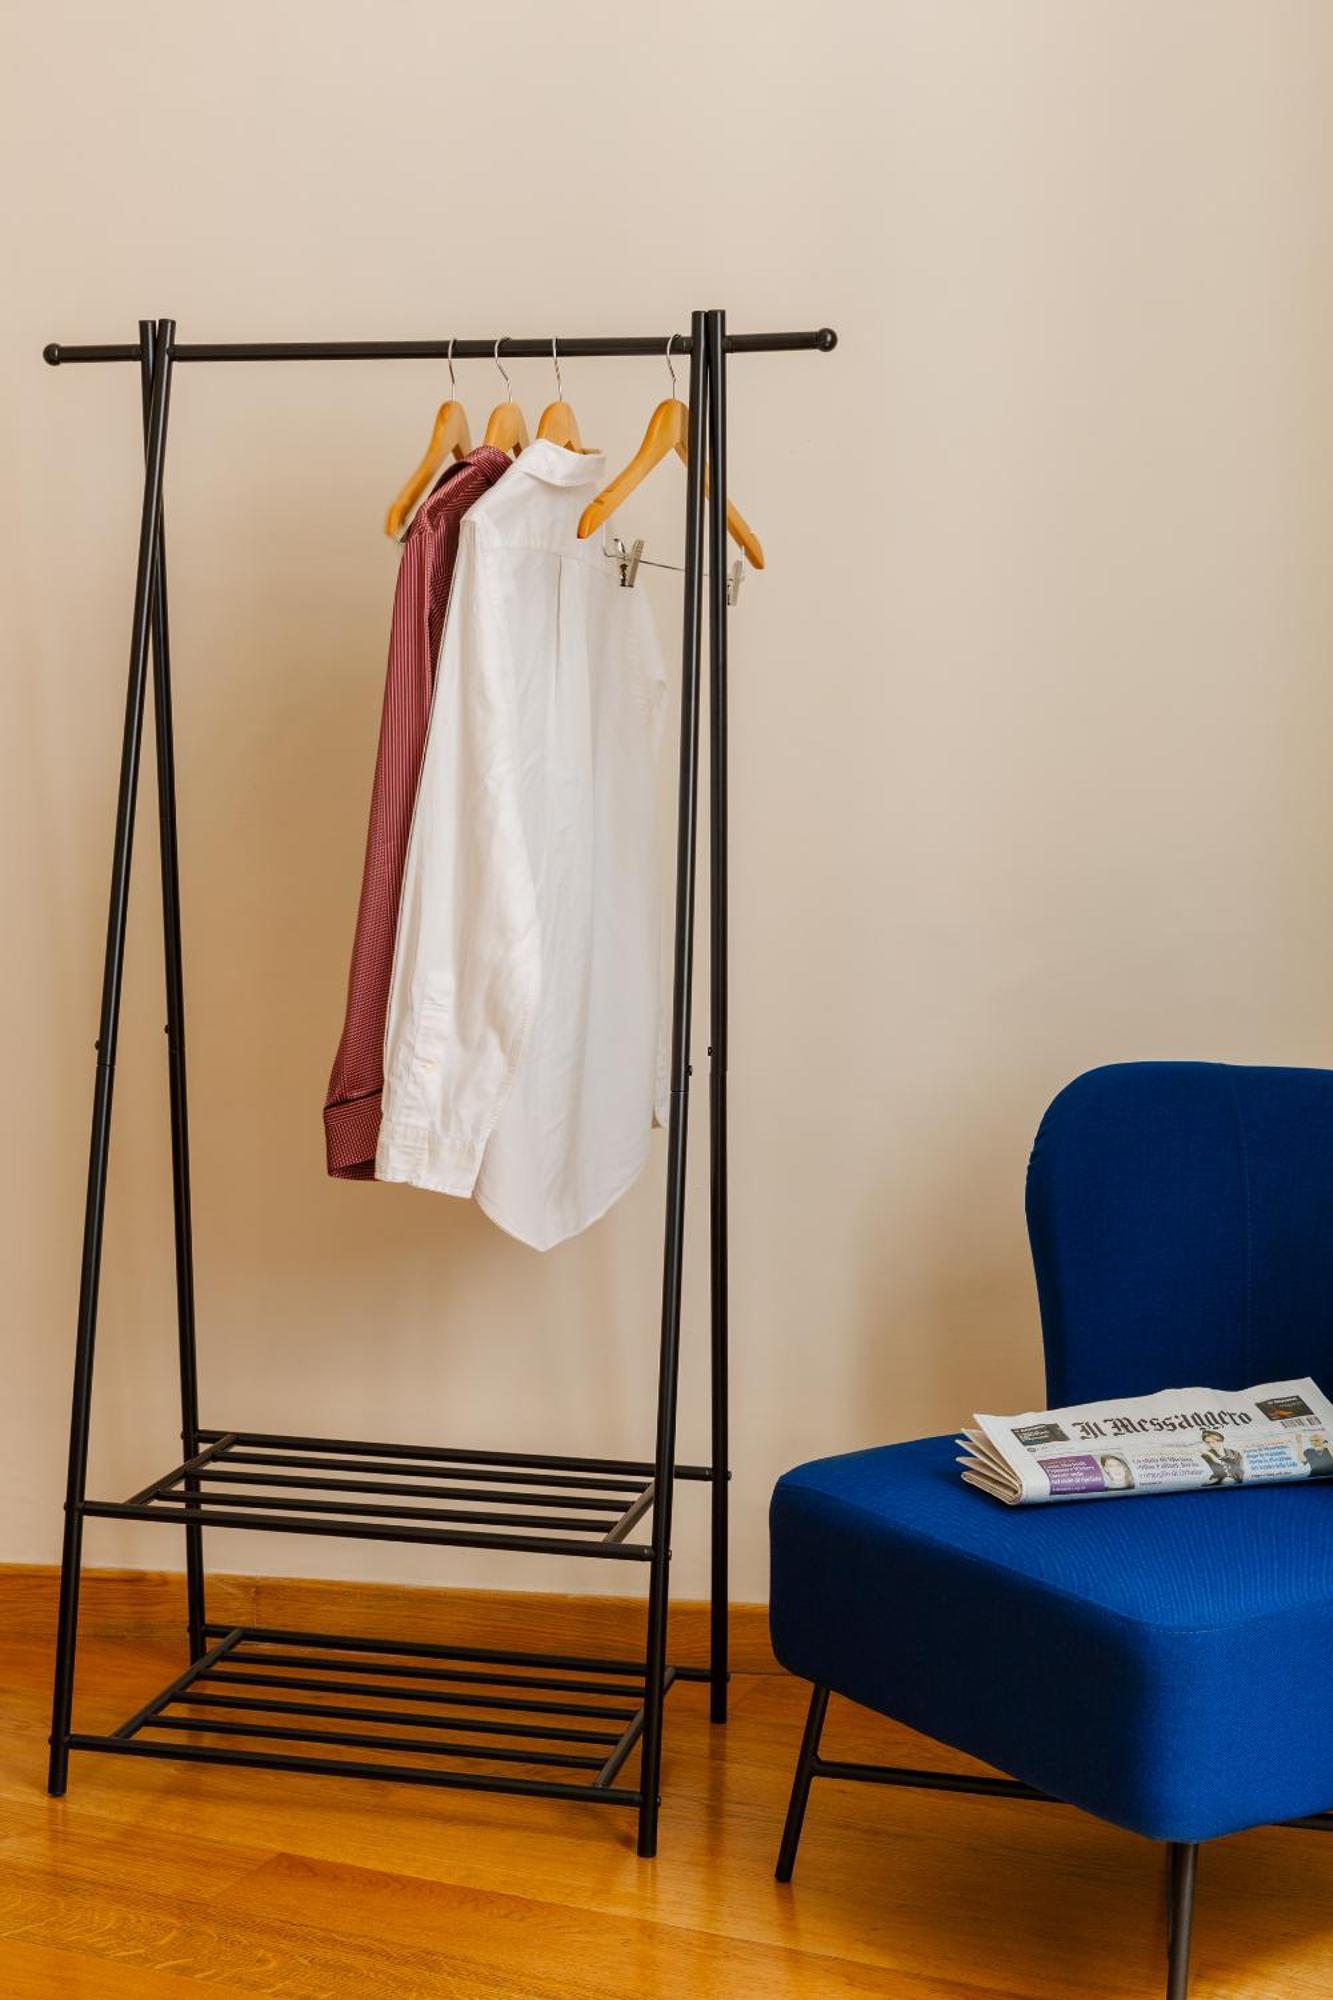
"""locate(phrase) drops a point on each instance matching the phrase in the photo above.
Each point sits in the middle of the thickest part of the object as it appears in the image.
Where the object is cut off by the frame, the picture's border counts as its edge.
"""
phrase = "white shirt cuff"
(426, 1159)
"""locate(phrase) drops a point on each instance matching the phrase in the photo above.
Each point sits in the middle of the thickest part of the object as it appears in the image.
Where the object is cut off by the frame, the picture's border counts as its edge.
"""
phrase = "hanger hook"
(503, 370)
(453, 383)
(559, 385)
(671, 341)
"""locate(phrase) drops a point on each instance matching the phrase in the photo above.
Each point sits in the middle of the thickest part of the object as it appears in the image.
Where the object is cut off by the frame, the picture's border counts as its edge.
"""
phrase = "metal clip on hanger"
(631, 557)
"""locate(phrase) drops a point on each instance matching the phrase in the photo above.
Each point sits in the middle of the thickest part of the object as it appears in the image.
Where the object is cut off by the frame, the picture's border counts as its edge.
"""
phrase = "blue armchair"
(1162, 1662)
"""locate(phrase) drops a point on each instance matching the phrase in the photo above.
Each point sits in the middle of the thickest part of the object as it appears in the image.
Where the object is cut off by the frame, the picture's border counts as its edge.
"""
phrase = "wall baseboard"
(150, 1604)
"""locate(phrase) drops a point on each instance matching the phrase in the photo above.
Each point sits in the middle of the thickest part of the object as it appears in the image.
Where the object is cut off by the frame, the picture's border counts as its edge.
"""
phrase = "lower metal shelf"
(533, 1503)
(466, 1718)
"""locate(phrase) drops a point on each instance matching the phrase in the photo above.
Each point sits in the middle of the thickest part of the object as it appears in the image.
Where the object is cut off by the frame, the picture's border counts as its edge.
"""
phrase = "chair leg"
(800, 1786)
(1184, 1865)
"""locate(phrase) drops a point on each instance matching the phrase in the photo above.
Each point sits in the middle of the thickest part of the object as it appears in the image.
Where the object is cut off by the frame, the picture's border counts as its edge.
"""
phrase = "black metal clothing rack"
(530, 1723)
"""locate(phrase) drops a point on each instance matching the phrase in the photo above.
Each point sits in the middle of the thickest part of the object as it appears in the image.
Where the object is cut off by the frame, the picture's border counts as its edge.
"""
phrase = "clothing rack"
(240, 1680)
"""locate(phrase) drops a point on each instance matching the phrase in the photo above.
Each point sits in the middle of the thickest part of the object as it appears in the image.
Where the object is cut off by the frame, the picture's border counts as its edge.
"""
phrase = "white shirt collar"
(556, 465)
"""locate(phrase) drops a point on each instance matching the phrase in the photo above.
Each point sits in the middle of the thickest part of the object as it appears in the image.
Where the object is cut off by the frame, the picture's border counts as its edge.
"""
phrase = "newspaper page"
(1179, 1441)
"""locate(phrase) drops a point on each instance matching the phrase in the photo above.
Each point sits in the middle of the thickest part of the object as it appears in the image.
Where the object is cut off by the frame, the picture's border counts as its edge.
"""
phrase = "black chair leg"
(1184, 1866)
(800, 1786)
(1182, 1855)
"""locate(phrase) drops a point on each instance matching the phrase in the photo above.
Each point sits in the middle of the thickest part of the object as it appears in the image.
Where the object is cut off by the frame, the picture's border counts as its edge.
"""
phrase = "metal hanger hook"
(675, 389)
(453, 384)
(559, 385)
(509, 394)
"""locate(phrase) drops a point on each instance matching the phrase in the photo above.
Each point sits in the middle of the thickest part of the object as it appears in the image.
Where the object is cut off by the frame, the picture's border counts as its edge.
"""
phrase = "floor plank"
(35, 1972)
(153, 1881)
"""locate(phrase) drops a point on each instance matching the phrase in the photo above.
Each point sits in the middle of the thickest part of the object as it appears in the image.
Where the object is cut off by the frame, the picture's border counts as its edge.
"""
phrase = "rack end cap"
(827, 340)
(51, 354)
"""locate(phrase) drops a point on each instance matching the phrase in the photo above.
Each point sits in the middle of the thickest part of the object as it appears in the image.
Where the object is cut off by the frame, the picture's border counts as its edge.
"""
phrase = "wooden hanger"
(450, 437)
(557, 423)
(668, 430)
(507, 427)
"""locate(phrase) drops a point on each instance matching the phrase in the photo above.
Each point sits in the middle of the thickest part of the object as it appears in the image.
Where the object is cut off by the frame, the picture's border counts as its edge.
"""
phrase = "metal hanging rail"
(822, 339)
(522, 1501)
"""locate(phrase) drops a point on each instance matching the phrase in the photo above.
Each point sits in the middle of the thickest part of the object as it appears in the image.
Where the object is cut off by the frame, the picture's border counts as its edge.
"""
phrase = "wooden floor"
(153, 1882)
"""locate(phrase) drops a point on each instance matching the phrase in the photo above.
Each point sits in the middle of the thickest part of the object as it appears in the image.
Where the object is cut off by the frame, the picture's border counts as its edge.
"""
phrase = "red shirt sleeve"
(421, 596)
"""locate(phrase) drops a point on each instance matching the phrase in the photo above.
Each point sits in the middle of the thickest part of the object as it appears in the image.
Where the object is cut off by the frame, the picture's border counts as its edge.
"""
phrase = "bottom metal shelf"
(382, 1709)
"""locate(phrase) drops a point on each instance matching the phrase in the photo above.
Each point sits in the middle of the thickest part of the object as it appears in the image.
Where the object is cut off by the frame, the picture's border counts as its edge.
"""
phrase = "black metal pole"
(673, 1259)
(1184, 1864)
(108, 1034)
(164, 739)
(820, 339)
(801, 1781)
(716, 354)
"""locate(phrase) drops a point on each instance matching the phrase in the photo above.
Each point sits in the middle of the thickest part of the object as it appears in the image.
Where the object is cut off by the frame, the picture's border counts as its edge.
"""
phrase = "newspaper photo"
(1179, 1441)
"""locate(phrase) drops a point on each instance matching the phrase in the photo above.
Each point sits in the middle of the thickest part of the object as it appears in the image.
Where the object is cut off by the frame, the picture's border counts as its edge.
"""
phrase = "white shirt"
(521, 1056)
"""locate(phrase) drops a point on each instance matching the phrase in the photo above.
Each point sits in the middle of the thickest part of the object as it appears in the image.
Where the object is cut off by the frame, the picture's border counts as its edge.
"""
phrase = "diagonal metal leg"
(800, 1787)
(108, 1034)
(673, 1259)
(164, 741)
(1183, 1866)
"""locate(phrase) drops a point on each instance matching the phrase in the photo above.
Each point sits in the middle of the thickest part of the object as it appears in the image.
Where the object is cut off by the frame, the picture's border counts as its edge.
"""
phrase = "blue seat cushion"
(1163, 1661)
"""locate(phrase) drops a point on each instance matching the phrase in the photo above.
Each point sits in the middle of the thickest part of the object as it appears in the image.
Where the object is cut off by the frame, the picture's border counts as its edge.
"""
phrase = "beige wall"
(1032, 709)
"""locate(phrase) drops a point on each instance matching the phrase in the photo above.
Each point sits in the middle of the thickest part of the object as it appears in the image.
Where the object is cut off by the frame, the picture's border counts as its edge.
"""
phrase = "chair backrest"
(1181, 1221)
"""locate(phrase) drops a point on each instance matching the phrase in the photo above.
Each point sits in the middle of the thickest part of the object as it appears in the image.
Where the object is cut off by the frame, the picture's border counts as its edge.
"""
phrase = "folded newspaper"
(1175, 1442)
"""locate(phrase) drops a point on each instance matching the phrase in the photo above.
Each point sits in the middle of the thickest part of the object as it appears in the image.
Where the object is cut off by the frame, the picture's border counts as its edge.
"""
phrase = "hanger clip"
(629, 559)
(629, 555)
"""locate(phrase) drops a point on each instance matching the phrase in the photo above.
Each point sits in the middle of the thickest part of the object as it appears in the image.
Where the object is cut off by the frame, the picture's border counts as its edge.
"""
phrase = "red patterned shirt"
(352, 1105)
